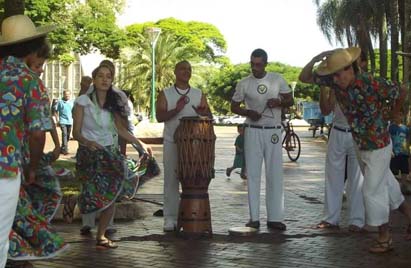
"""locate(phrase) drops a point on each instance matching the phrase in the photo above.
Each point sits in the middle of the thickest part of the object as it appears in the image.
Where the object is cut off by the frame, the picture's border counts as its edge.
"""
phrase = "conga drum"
(195, 141)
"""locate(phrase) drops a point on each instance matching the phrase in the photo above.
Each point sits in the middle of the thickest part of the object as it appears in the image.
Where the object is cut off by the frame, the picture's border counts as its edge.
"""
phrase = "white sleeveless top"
(339, 118)
(194, 97)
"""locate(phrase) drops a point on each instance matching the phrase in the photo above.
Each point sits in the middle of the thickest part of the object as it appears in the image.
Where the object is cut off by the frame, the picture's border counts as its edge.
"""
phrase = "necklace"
(186, 98)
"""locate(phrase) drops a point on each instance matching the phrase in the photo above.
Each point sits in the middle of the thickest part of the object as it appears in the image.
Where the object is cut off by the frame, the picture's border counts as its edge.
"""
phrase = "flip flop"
(381, 246)
(105, 244)
(326, 225)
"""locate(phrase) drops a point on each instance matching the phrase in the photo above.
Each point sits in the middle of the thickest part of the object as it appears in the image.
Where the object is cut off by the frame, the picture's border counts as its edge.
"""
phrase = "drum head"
(242, 231)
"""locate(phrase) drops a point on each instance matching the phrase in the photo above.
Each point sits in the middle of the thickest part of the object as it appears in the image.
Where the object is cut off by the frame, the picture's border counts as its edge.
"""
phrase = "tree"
(93, 21)
(200, 43)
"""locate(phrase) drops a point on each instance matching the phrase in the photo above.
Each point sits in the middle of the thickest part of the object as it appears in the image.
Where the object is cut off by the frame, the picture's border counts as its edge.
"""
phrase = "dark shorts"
(399, 163)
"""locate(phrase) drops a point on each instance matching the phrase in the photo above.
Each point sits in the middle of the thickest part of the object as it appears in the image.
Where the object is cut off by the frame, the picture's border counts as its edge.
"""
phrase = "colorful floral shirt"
(364, 104)
(24, 107)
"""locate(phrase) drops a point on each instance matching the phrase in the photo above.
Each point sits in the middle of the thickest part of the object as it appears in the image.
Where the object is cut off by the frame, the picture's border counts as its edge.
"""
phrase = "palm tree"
(406, 39)
(394, 26)
(136, 66)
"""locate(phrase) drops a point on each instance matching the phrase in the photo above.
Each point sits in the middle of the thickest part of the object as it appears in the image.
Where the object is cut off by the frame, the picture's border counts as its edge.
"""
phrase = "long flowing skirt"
(32, 237)
(105, 175)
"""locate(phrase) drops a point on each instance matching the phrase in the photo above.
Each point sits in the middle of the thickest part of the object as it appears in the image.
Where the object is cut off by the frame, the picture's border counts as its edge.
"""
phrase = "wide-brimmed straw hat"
(19, 28)
(338, 60)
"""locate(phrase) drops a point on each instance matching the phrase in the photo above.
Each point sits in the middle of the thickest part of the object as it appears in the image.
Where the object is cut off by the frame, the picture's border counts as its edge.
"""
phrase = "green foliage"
(196, 42)
(66, 59)
(82, 26)
(221, 85)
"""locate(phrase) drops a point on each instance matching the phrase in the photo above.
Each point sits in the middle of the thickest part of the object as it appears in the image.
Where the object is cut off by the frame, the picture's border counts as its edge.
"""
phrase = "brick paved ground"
(143, 244)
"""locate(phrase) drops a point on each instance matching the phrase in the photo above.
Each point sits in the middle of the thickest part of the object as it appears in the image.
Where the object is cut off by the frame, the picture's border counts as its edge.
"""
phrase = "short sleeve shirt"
(256, 92)
(363, 104)
(24, 107)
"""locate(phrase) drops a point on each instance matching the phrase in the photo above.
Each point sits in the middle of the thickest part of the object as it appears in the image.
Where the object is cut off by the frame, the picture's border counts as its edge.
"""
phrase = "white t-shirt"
(98, 124)
(194, 97)
(339, 118)
(256, 91)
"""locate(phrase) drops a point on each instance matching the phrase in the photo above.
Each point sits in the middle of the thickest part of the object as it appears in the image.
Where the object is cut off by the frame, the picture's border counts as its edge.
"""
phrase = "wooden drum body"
(195, 141)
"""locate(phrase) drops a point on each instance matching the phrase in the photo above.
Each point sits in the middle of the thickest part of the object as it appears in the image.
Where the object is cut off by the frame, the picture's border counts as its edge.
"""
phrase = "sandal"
(69, 205)
(408, 232)
(105, 244)
(381, 247)
(326, 225)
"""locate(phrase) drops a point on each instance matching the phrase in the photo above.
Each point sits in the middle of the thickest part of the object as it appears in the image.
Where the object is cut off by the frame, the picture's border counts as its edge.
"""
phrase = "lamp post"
(153, 34)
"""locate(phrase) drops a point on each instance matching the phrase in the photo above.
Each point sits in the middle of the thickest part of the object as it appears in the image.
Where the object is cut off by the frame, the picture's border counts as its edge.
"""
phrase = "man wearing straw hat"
(24, 114)
(362, 99)
(341, 158)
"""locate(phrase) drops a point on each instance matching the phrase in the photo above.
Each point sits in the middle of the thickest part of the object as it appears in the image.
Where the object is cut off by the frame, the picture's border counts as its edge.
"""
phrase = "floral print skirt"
(32, 237)
(105, 175)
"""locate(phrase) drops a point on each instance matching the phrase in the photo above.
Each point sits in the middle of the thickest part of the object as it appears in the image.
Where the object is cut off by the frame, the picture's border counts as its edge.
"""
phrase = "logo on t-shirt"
(274, 139)
(262, 89)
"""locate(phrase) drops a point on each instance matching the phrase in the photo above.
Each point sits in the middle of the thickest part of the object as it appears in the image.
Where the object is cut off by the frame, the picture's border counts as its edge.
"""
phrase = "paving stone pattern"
(142, 242)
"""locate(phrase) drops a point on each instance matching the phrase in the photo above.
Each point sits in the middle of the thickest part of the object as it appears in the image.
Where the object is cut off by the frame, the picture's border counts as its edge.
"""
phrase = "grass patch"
(71, 185)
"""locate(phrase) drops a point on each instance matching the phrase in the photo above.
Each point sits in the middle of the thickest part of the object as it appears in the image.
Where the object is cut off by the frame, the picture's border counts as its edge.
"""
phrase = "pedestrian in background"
(65, 119)
(239, 158)
(400, 137)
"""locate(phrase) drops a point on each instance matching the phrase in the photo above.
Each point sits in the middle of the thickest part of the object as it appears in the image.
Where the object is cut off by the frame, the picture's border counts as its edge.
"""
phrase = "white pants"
(340, 146)
(381, 190)
(9, 196)
(259, 145)
(90, 219)
(171, 183)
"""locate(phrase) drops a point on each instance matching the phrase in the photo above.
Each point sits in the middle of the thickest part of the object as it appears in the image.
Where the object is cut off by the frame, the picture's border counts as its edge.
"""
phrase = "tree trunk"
(407, 40)
(383, 40)
(13, 7)
(393, 21)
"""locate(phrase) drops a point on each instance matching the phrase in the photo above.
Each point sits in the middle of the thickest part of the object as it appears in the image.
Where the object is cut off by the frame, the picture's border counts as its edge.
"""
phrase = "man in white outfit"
(173, 103)
(362, 99)
(264, 95)
(341, 149)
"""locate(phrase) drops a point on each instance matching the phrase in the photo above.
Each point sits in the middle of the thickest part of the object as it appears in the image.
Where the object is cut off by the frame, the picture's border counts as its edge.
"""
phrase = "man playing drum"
(173, 103)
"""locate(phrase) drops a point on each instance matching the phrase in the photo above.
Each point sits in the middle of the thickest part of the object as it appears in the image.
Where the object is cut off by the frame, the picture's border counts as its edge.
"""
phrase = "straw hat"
(19, 28)
(339, 59)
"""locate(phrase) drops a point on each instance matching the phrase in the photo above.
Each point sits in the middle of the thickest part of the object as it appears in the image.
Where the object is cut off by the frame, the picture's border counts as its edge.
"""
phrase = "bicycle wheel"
(293, 147)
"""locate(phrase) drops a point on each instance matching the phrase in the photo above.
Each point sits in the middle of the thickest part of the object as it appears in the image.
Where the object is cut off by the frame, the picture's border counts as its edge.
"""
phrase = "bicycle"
(291, 142)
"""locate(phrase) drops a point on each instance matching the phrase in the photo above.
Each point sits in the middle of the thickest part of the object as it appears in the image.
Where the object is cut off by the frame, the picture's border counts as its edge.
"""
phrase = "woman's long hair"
(113, 101)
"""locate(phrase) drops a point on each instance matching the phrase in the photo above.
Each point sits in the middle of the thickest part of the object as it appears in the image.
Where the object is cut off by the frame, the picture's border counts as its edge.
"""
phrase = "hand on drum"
(201, 110)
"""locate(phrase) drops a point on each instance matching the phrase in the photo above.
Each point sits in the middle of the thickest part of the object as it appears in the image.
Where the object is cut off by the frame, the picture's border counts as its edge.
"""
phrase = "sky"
(286, 29)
